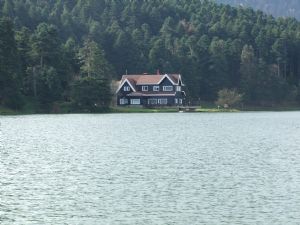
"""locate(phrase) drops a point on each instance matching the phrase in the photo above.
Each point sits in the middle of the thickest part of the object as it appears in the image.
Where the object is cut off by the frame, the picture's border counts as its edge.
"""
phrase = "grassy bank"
(271, 108)
(67, 109)
(6, 111)
(141, 110)
(167, 110)
(211, 110)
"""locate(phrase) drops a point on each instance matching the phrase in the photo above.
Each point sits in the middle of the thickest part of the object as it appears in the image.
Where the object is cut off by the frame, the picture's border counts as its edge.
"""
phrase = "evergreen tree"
(9, 67)
(249, 73)
(46, 68)
(8, 8)
(93, 62)
(91, 93)
(200, 39)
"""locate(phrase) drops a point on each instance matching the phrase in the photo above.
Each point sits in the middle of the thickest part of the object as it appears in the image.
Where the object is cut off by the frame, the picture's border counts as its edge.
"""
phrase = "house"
(151, 90)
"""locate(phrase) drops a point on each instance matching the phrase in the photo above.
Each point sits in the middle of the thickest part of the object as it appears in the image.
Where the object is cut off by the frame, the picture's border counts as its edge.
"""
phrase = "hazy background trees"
(284, 8)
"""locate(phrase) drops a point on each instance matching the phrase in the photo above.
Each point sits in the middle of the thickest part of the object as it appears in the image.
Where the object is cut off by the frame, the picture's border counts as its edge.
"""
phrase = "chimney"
(157, 72)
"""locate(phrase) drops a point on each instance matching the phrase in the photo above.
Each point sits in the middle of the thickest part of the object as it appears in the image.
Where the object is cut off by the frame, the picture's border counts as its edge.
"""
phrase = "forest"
(56, 53)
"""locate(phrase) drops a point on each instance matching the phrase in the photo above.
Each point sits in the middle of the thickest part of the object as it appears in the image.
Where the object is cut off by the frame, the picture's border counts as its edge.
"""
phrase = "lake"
(180, 168)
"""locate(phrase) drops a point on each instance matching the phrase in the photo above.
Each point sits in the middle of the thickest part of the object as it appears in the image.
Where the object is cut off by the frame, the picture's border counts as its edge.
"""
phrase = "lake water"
(180, 168)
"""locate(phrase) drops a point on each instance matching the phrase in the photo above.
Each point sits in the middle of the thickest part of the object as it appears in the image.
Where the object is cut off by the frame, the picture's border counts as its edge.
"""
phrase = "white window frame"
(135, 101)
(123, 101)
(144, 88)
(162, 101)
(167, 88)
(152, 101)
(176, 101)
(180, 101)
(126, 88)
(178, 88)
(155, 88)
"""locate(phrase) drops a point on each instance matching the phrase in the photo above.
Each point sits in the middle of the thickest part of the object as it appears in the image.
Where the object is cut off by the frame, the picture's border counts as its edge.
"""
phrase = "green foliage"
(260, 82)
(93, 62)
(45, 45)
(228, 98)
(48, 46)
(48, 84)
(9, 67)
(90, 93)
(8, 8)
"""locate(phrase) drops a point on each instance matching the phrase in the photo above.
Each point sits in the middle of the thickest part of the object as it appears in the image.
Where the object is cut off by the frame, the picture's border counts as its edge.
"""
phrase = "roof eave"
(122, 84)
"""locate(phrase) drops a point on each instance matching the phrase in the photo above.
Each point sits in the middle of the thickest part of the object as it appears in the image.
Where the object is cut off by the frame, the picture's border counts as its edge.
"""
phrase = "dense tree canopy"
(50, 47)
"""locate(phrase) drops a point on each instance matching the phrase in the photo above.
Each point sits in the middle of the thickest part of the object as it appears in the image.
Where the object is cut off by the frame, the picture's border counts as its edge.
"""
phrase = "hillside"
(278, 8)
(68, 51)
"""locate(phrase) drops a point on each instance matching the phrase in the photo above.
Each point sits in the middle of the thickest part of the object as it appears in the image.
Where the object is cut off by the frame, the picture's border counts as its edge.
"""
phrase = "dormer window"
(167, 88)
(155, 88)
(178, 88)
(144, 88)
(126, 88)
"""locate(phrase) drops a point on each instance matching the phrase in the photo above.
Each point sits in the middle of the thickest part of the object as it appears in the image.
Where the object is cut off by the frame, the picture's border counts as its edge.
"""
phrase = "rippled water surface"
(240, 168)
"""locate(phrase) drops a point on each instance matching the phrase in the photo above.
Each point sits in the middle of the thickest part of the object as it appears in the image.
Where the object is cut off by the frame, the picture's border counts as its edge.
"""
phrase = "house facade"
(151, 90)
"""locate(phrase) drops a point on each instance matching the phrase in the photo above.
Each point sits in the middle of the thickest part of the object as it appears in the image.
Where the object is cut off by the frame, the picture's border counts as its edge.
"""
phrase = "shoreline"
(121, 110)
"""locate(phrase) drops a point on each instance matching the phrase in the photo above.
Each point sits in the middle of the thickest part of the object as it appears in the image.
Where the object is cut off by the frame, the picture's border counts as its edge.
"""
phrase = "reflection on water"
(150, 169)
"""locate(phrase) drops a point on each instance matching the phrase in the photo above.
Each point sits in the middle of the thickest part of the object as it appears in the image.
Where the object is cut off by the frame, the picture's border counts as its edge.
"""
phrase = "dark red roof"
(143, 79)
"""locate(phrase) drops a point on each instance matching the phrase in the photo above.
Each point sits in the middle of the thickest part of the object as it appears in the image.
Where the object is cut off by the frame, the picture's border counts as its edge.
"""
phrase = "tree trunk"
(34, 81)
(285, 70)
(41, 61)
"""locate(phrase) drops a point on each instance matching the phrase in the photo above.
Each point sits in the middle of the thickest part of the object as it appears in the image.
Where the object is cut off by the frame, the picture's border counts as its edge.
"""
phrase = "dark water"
(240, 168)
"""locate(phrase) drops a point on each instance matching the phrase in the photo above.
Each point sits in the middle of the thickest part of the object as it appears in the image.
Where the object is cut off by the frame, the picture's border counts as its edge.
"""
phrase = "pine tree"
(93, 62)
(8, 8)
(9, 67)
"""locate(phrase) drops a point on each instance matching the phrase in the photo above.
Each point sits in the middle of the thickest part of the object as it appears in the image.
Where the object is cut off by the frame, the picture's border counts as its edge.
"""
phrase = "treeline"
(58, 51)
(278, 8)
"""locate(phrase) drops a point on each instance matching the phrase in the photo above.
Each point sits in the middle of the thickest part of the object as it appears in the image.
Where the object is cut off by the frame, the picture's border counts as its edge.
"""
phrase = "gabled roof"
(134, 80)
(130, 82)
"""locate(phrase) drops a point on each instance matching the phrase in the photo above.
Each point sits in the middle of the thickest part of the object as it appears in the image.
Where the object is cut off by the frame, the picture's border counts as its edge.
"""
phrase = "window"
(135, 101)
(180, 101)
(144, 88)
(167, 88)
(155, 88)
(162, 101)
(123, 101)
(178, 88)
(152, 101)
(126, 88)
(176, 100)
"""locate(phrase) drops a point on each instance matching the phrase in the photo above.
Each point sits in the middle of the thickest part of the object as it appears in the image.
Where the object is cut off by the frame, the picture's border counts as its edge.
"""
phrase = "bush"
(228, 98)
